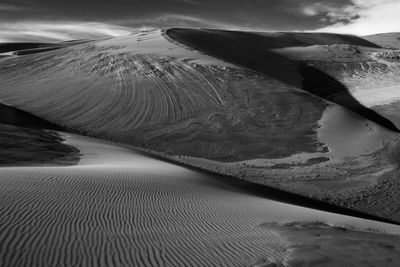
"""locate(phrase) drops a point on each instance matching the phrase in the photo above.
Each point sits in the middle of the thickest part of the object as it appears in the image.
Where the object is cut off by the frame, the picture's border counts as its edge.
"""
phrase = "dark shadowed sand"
(22, 146)
(27, 140)
(33, 48)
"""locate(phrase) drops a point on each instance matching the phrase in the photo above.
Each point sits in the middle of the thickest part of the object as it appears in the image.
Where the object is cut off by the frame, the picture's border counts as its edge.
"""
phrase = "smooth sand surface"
(391, 40)
(121, 208)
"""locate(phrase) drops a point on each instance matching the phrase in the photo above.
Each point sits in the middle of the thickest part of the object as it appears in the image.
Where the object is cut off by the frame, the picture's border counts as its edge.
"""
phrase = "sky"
(58, 20)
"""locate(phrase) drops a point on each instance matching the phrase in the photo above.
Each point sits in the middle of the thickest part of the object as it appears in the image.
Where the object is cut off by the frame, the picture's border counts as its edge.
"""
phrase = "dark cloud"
(263, 14)
(273, 15)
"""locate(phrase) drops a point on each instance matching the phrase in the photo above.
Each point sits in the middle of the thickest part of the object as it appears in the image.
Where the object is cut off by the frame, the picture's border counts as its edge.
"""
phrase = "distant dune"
(387, 40)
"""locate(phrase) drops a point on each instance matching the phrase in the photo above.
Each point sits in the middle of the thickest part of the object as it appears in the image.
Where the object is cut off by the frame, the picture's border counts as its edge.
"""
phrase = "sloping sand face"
(121, 208)
(371, 75)
(389, 40)
(147, 90)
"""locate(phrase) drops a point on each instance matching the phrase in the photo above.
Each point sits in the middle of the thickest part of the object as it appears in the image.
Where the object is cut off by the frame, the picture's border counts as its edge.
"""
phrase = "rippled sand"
(119, 207)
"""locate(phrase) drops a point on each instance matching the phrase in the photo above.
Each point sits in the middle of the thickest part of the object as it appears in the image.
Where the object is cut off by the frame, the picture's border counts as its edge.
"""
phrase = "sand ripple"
(138, 211)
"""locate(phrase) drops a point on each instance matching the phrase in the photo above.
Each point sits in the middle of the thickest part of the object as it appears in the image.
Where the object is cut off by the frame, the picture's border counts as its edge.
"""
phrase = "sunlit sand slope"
(120, 208)
(146, 90)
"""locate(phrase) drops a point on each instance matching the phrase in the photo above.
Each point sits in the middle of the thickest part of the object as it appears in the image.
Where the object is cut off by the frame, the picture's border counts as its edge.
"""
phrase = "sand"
(118, 207)
(371, 75)
(151, 92)
(27, 140)
(389, 40)
(261, 120)
(24, 146)
(17, 48)
(122, 207)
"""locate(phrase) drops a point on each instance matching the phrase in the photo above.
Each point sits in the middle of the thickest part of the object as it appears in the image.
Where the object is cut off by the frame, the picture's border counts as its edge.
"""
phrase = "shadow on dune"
(25, 141)
(253, 51)
(7, 47)
(272, 193)
(324, 86)
(14, 116)
(33, 48)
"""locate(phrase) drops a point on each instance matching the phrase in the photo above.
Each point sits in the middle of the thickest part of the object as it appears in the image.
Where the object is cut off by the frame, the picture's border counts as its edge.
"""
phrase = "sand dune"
(356, 166)
(370, 75)
(120, 208)
(230, 101)
(387, 40)
(145, 90)
(257, 51)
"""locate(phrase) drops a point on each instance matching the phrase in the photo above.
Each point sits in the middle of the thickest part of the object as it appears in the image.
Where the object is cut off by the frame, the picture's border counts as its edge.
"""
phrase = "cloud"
(9, 7)
(42, 31)
(171, 20)
(189, 2)
(368, 17)
(327, 12)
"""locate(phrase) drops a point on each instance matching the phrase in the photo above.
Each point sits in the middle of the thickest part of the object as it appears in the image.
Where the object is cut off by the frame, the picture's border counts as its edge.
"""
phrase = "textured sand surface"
(120, 208)
(147, 90)
(371, 75)
(318, 244)
(268, 125)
